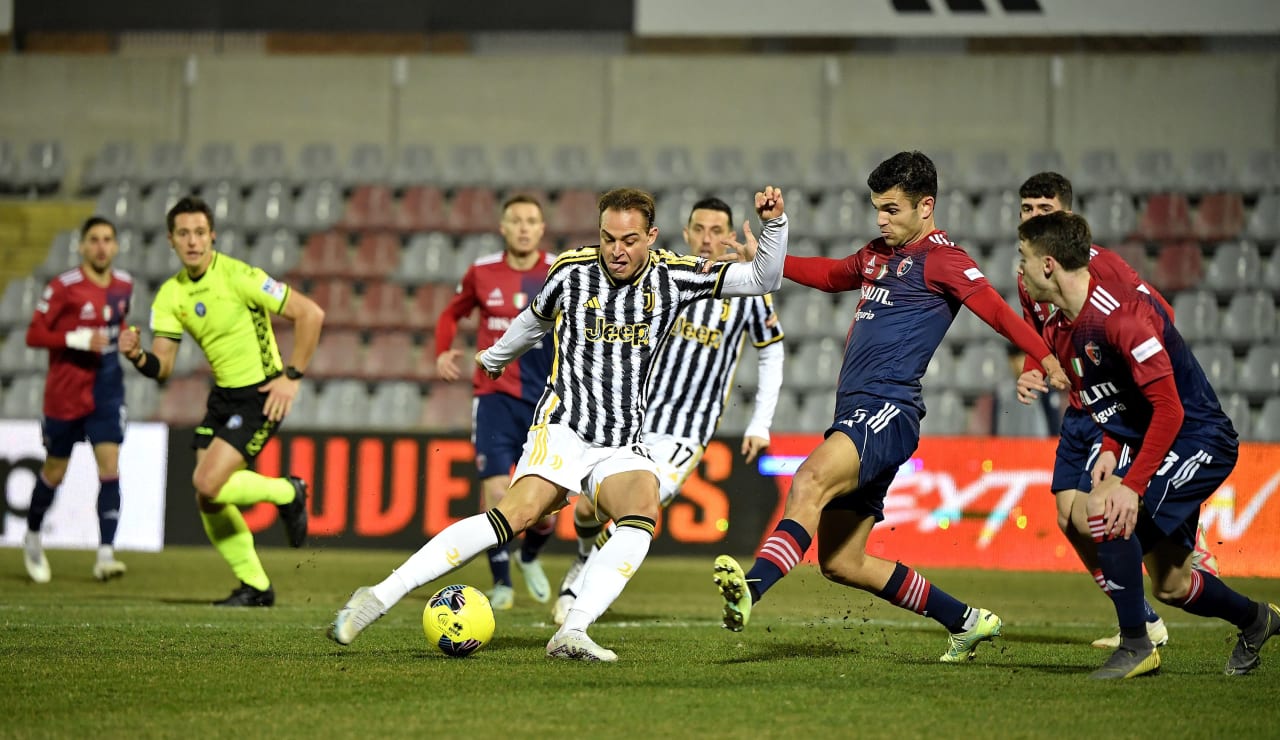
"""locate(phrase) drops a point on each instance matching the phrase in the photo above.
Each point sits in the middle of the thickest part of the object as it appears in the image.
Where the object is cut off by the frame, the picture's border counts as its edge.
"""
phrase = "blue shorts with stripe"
(886, 435)
(103, 425)
(1078, 443)
(1195, 467)
(500, 424)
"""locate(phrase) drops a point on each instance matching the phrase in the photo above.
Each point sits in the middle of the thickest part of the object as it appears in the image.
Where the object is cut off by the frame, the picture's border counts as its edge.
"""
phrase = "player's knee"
(844, 571)
(206, 484)
(54, 471)
(1170, 593)
(809, 488)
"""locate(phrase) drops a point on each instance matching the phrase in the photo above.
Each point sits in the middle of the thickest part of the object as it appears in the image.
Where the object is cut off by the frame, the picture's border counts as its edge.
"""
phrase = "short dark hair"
(1047, 185)
(629, 199)
(1062, 235)
(93, 221)
(521, 198)
(912, 171)
(189, 204)
(712, 204)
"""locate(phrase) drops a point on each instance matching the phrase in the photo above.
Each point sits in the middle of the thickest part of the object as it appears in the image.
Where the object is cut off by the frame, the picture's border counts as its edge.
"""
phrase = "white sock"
(606, 574)
(106, 553)
(453, 547)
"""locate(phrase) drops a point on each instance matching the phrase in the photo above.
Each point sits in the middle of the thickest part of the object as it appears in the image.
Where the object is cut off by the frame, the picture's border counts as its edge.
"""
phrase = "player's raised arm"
(764, 273)
(526, 330)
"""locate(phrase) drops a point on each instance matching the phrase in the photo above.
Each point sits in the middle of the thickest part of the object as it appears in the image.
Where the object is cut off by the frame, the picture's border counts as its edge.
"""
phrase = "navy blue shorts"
(886, 435)
(499, 426)
(1079, 441)
(105, 424)
(1194, 468)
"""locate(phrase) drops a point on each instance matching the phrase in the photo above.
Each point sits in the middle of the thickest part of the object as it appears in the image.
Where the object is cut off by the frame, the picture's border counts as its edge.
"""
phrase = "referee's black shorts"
(238, 416)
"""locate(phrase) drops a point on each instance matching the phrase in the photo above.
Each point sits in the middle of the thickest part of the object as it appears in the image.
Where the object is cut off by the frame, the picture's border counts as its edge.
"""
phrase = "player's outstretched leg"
(535, 578)
(980, 626)
(732, 582)
(360, 611)
(1244, 657)
(577, 645)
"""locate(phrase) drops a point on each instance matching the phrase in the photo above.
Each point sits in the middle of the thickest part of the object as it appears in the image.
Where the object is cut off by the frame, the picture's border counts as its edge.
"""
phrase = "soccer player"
(223, 304)
(611, 307)
(913, 281)
(1140, 383)
(78, 319)
(500, 285)
(1079, 438)
(691, 382)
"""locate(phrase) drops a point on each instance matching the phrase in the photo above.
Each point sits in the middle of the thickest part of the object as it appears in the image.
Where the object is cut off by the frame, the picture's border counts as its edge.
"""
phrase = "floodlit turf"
(144, 656)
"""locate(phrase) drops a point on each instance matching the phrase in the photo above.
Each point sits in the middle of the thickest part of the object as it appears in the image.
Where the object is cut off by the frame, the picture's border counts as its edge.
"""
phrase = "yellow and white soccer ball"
(458, 620)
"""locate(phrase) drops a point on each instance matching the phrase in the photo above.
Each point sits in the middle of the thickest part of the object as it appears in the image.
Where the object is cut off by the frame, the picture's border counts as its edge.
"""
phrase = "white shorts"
(556, 452)
(676, 458)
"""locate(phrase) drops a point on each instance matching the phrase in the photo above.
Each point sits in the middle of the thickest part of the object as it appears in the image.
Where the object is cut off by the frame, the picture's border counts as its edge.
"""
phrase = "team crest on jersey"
(650, 300)
(494, 299)
(1094, 352)
(905, 266)
(520, 300)
(725, 307)
(87, 312)
(200, 309)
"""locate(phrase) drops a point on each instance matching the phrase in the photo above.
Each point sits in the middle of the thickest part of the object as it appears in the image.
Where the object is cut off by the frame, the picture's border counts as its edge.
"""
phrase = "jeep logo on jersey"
(494, 299)
(905, 266)
(1093, 352)
(606, 331)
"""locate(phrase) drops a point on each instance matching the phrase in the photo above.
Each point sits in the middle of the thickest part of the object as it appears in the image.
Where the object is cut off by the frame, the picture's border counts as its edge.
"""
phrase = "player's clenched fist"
(130, 341)
(769, 203)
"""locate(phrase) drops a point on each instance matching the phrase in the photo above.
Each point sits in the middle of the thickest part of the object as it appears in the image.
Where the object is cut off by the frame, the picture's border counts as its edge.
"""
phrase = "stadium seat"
(1178, 266)
(816, 364)
(319, 206)
(385, 305)
(1164, 217)
(1134, 253)
(318, 162)
(786, 415)
(276, 251)
(217, 161)
(940, 370)
(726, 169)
(968, 329)
(377, 256)
(391, 355)
(737, 413)
(804, 246)
(269, 206)
(19, 302)
(807, 313)
(472, 210)
(816, 411)
(153, 208)
(1236, 407)
(1111, 216)
(142, 395)
(395, 406)
(671, 211)
(366, 165)
(842, 213)
(44, 168)
(423, 208)
(982, 367)
(1234, 267)
(471, 248)
(338, 299)
(829, 171)
(1001, 268)
(673, 168)
(1153, 172)
(990, 172)
(620, 167)
(414, 167)
(9, 168)
(1250, 318)
(114, 162)
(1044, 160)
(467, 166)
(1196, 315)
(517, 167)
(945, 414)
(447, 407)
(1012, 418)
(121, 203)
(954, 215)
(574, 212)
(16, 358)
(422, 260)
(1218, 363)
(1099, 172)
(129, 246)
(947, 165)
(1260, 171)
(1219, 217)
(1258, 374)
(183, 401)
(342, 404)
(570, 167)
(1208, 171)
(370, 207)
(190, 360)
(339, 354)
(166, 162)
(224, 199)
(1271, 271)
(1266, 427)
(326, 254)
(996, 217)
(266, 164)
(24, 399)
(302, 415)
(778, 166)
(1263, 222)
(426, 302)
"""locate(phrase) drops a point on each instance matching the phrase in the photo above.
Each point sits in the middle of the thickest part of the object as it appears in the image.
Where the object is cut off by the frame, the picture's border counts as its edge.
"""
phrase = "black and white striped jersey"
(608, 335)
(690, 381)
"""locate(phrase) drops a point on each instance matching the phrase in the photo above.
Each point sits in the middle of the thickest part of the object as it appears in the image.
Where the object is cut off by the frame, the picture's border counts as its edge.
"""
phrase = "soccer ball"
(458, 620)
